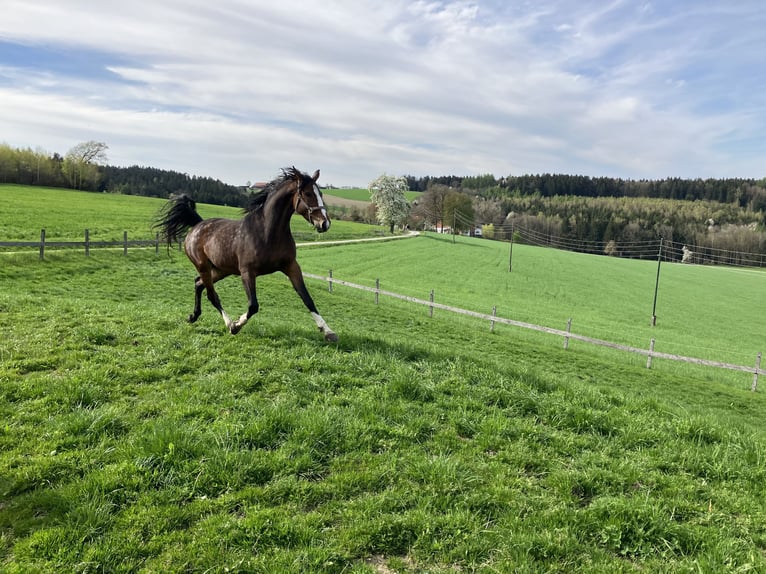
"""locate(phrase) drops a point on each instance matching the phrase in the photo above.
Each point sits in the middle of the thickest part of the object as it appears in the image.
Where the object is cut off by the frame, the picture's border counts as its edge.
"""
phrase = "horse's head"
(308, 200)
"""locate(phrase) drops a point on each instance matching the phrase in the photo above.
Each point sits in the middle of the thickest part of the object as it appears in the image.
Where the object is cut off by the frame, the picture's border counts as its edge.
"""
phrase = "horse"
(260, 243)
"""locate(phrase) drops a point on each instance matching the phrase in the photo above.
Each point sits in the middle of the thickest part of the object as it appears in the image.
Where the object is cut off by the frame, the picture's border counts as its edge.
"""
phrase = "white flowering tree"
(387, 194)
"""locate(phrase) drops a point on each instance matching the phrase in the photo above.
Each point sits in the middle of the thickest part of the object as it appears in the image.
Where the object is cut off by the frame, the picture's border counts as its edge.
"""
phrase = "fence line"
(431, 304)
(650, 353)
(87, 244)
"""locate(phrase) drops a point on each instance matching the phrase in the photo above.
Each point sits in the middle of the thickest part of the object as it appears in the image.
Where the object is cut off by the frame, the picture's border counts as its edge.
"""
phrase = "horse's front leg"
(248, 281)
(295, 275)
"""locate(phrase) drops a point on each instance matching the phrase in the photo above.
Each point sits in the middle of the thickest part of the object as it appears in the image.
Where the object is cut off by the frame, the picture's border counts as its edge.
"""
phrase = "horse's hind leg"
(215, 300)
(198, 288)
(205, 281)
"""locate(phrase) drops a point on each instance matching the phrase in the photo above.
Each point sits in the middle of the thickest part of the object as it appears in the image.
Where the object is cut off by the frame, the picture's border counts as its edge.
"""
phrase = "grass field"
(65, 214)
(703, 312)
(132, 441)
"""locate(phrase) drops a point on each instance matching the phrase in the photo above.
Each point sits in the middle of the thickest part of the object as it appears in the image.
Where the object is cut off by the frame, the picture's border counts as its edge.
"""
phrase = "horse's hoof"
(234, 329)
(331, 337)
(192, 318)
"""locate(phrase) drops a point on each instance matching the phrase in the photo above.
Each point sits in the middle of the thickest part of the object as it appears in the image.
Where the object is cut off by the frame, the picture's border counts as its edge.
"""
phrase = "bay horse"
(258, 244)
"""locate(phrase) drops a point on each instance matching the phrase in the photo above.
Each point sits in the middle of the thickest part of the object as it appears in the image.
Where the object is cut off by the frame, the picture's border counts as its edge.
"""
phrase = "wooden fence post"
(649, 356)
(42, 244)
(431, 308)
(492, 323)
(510, 252)
(569, 330)
(87, 243)
(377, 290)
(757, 368)
(329, 284)
(125, 243)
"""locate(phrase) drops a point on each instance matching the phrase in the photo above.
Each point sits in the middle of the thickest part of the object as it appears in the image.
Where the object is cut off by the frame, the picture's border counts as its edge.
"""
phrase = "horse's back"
(214, 242)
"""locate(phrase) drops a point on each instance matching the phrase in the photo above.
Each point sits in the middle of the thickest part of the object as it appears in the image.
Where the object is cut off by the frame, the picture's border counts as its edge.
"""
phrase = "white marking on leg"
(320, 322)
(241, 322)
(226, 319)
(328, 333)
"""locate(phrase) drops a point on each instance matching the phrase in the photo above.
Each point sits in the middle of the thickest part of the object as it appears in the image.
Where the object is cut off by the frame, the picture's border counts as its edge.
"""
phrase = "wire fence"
(567, 335)
(664, 248)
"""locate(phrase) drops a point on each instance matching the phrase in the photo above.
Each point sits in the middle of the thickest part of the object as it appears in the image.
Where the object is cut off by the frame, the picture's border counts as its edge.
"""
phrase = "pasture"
(132, 441)
(65, 214)
(704, 312)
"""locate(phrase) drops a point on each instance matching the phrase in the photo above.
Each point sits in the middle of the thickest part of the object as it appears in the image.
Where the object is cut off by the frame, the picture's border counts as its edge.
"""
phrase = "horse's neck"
(276, 213)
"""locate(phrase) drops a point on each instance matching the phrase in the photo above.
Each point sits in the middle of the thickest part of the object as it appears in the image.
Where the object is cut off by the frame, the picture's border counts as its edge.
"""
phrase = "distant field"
(132, 441)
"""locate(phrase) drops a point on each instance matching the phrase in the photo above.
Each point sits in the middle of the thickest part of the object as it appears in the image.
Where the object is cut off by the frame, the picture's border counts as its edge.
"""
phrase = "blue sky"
(237, 89)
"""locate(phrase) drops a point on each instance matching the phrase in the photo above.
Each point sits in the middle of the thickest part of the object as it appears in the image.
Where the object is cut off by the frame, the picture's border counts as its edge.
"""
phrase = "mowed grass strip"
(363, 194)
(133, 441)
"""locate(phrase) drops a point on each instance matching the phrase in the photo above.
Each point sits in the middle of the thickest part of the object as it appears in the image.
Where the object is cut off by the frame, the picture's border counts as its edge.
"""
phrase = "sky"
(238, 89)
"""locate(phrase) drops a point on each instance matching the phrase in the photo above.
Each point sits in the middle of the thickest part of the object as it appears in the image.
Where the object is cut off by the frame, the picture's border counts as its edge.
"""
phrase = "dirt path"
(408, 235)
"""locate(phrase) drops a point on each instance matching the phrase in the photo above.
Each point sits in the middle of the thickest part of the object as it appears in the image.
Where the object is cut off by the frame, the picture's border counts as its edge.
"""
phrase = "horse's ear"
(315, 176)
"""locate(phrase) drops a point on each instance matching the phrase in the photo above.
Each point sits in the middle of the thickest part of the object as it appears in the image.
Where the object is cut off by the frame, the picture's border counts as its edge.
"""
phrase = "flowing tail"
(176, 217)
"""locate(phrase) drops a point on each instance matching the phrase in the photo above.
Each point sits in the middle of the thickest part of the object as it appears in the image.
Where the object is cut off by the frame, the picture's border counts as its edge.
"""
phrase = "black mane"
(259, 199)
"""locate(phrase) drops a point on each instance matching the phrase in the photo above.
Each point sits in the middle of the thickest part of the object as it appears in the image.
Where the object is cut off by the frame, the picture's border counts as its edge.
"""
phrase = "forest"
(748, 193)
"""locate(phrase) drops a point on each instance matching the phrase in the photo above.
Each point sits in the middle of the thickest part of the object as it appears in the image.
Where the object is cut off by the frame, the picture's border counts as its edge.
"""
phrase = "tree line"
(84, 167)
(748, 193)
(617, 222)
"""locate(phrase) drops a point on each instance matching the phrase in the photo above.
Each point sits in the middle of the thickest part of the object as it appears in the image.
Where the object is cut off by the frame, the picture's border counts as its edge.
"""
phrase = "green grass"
(363, 194)
(704, 312)
(132, 441)
(65, 214)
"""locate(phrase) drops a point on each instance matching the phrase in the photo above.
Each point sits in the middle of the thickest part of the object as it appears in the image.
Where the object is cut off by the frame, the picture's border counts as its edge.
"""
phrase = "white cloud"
(236, 90)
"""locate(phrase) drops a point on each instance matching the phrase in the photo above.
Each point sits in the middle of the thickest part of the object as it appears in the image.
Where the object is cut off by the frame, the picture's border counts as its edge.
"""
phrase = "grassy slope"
(702, 311)
(137, 441)
(65, 214)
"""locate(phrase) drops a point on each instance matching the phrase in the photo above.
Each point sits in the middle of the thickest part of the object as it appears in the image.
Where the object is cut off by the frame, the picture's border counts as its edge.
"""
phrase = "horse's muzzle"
(322, 226)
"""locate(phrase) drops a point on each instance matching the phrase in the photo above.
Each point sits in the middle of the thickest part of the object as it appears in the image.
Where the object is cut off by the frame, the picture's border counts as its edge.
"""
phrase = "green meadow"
(65, 214)
(131, 441)
(704, 312)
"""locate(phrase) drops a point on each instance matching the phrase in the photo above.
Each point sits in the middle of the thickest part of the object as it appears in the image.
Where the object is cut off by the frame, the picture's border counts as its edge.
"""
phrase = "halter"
(298, 198)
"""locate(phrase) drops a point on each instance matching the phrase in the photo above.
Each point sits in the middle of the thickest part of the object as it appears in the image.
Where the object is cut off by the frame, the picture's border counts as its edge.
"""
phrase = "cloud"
(236, 90)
